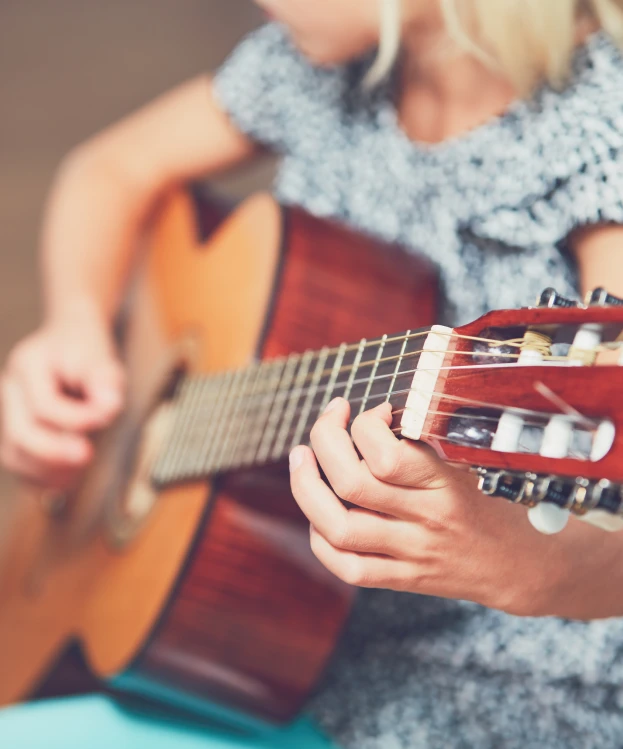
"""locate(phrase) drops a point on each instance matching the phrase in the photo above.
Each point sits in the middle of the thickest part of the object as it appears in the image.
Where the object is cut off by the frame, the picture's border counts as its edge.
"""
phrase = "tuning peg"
(601, 298)
(548, 518)
(551, 298)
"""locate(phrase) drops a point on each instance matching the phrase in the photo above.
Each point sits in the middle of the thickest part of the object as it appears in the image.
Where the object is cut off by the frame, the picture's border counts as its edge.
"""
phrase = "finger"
(39, 475)
(350, 529)
(394, 461)
(97, 376)
(349, 476)
(53, 407)
(336, 453)
(317, 501)
(105, 384)
(43, 445)
(364, 571)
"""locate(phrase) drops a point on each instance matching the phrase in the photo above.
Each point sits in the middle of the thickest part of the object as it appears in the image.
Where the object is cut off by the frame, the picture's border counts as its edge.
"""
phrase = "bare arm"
(64, 381)
(599, 252)
(106, 187)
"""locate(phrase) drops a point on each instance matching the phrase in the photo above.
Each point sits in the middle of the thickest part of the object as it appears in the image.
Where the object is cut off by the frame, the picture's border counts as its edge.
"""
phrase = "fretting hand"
(418, 524)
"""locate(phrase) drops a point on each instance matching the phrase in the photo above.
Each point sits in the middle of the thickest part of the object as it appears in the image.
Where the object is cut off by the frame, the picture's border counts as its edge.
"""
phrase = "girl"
(487, 133)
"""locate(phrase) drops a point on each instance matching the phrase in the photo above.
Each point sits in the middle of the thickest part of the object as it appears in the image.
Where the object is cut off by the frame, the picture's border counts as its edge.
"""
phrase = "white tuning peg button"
(548, 518)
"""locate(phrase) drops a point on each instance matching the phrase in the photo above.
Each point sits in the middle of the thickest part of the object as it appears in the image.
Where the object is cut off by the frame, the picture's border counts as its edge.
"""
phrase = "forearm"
(587, 578)
(93, 218)
(107, 188)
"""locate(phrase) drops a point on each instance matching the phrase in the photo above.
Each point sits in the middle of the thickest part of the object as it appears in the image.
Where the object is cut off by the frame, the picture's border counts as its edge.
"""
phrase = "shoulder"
(591, 107)
(269, 50)
(558, 162)
(270, 89)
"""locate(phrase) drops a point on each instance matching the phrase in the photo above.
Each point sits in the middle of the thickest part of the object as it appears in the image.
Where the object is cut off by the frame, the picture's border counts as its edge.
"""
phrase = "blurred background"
(67, 69)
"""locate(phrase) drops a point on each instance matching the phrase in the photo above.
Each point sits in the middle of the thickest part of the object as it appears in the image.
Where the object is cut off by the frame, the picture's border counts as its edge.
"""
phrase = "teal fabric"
(97, 722)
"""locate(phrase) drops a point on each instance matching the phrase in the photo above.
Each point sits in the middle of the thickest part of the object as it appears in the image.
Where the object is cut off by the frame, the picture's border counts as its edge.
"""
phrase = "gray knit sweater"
(493, 209)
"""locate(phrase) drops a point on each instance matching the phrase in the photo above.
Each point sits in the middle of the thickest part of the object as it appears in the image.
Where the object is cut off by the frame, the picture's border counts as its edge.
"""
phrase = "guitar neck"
(255, 416)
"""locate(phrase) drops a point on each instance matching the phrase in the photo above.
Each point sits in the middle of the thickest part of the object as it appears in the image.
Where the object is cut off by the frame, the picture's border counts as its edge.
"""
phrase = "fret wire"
(333, 378)
(275, 375)
(245, 456)
(164, 461)
(394, 339)
(366, 379)
(221, 420)
(302, 422)
(397, 358)
(266, 402)
(354, 368)
(194, 389)
(392, 384)
(182, 425)
(219, 390)
(227, 453)
(515, 342)
(372, 375)
(415, 354)
(290, 411)
(188, 413)
(242, 437)
(204, 408)
(278, 407)
(199, 408)
(315, 412)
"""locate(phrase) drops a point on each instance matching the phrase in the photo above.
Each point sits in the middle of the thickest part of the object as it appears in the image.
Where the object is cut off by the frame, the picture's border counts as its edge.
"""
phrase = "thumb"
(104, 383)
(89, 367)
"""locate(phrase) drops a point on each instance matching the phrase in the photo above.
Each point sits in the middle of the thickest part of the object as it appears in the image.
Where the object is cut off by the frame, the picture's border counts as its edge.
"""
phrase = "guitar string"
(514, 342)
(521, 447)
(290, 394)
(315, 411)
(450, 398)
(483, 418)
(269, 394)
(573, 455)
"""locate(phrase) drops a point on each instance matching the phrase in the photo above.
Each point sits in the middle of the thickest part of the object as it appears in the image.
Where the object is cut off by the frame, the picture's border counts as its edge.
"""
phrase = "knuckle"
(349, 488)
(362, 426)
(71, 363)
(317, 430)
(354, 573)
(386, 465)
(358, 427)
(343, 536)
(37, 449)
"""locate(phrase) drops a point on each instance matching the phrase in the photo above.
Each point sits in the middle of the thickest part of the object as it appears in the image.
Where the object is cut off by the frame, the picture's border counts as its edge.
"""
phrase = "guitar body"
(203, 590)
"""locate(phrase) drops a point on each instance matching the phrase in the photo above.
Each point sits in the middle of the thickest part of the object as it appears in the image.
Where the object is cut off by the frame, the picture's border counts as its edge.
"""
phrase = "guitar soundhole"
(130, 504)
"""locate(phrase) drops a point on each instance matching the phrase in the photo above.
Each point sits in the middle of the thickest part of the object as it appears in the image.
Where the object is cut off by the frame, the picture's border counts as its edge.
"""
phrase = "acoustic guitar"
(181, 564)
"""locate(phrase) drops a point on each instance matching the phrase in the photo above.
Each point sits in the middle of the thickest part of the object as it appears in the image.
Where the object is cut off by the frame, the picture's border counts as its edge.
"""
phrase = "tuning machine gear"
(551, 498)
(551, 298)
(601, 298)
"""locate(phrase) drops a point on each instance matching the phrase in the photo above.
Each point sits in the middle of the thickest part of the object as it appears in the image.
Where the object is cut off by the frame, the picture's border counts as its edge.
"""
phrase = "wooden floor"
(67, 68)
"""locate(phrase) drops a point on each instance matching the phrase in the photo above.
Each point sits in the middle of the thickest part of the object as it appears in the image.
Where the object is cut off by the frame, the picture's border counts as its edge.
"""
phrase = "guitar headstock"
(531, 398)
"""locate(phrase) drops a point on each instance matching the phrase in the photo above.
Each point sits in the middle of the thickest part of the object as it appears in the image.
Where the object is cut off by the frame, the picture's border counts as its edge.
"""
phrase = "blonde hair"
(526, 41)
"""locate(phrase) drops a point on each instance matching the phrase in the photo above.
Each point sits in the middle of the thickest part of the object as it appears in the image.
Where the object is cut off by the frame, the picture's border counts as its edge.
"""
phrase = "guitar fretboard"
(257, 415)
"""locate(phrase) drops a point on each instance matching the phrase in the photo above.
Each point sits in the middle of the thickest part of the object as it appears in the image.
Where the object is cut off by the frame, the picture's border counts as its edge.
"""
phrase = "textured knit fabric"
(494, 209)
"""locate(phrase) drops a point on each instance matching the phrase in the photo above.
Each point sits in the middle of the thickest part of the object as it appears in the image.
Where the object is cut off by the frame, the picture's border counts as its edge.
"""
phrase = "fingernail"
(335, 402)
(296, 458)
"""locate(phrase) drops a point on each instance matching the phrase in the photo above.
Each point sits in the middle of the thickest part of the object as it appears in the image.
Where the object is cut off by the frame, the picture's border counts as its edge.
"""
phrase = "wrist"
(583, 578)
(83, 309)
